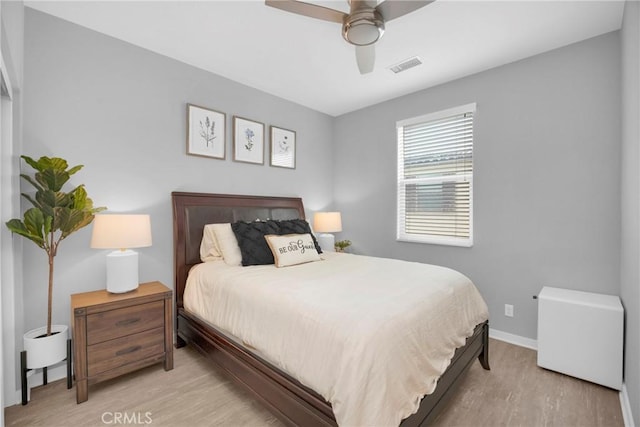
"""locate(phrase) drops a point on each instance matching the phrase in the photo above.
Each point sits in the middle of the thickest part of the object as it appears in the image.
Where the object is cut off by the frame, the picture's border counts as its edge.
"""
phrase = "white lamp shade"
(327, 222)
(121, 231)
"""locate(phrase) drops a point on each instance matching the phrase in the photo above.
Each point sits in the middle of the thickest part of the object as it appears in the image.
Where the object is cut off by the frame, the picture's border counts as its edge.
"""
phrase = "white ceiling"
(306, 60)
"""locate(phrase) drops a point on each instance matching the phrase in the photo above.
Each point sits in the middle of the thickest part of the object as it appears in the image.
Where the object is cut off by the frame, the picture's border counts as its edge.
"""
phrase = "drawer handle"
(127, 322)
(128, 350)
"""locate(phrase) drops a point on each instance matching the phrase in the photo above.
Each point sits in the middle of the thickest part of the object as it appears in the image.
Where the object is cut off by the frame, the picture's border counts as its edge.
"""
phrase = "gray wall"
(630, 241)
(546, 177)
(12, 40)
(121, 111)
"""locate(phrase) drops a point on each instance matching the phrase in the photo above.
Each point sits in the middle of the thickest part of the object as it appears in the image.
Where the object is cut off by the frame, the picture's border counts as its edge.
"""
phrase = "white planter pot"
(46, 351)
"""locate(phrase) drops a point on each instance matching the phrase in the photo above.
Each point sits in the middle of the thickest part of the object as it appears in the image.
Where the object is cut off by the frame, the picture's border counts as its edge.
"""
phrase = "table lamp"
(121, 232)
(326, 223)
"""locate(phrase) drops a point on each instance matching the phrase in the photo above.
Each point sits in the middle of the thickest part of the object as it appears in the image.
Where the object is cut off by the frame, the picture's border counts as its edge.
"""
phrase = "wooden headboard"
(192, 211)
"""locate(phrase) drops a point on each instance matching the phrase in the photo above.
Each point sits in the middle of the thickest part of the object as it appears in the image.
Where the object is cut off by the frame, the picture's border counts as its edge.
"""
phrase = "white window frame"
(401, 235)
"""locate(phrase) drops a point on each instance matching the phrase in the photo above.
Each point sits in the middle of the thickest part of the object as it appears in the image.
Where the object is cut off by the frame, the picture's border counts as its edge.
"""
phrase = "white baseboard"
(34, 379)
(513, 339)
(627, 415)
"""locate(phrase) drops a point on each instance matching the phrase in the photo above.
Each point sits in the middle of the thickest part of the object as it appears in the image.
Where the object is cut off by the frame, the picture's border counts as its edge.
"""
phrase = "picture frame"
(248, 141)
(283, 147)
(206, 132)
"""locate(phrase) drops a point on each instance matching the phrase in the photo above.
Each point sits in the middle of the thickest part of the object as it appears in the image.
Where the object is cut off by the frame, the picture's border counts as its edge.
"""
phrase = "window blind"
(435, 177)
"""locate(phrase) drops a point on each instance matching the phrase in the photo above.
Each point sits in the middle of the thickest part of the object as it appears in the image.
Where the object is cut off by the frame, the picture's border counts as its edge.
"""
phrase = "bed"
(293, 402)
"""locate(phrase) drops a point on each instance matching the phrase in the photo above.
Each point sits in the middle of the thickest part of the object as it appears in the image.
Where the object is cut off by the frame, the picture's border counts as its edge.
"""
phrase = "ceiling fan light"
(363, 28)
(362, 34)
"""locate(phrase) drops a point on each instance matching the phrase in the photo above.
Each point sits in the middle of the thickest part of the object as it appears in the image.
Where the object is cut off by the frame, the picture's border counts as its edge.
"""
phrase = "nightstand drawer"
(124, 321)
(111, 354)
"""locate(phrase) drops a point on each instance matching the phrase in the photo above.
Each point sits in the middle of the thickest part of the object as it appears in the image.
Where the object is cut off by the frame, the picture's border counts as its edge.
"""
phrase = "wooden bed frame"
(287, 398)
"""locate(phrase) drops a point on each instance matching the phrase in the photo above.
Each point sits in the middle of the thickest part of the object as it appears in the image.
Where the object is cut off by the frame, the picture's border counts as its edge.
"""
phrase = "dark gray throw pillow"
(253, 246)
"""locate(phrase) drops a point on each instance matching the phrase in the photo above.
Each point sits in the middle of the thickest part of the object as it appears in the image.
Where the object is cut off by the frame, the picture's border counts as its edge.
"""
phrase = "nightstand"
(114, 334)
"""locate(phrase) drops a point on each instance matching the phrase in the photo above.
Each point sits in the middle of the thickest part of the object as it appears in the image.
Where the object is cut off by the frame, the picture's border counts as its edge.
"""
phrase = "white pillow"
(208, 246)
(227, 243)
(292, 249)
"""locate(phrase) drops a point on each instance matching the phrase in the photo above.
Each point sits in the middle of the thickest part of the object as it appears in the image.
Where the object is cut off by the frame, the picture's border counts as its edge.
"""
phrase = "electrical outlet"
(508, 310)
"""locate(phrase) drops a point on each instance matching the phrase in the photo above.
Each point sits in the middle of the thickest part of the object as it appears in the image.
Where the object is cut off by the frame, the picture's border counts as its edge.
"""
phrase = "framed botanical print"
(206, 132)
(248, 141)
(283, 148)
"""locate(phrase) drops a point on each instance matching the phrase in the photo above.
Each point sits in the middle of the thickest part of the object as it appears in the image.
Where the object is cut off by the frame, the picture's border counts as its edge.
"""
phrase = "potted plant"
(341, 245)
(55, 215)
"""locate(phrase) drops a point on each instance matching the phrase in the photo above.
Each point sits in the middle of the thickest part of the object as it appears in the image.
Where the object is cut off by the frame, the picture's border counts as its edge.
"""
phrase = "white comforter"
(370, 335)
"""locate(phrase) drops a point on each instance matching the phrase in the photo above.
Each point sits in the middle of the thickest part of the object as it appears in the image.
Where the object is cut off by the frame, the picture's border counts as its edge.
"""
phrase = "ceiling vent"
(406, 64)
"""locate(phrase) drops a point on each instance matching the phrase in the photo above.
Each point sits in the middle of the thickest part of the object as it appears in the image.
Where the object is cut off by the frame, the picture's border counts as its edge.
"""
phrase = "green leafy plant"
(55, 215)
(341, 245)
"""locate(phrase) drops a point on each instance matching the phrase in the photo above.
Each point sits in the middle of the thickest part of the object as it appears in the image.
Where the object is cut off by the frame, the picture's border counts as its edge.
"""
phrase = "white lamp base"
(327, 242)
(122, 271)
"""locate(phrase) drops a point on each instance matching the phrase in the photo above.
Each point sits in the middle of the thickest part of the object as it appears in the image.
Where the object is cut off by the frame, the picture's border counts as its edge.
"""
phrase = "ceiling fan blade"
(392, 9)
(366, 58)
(308, 9)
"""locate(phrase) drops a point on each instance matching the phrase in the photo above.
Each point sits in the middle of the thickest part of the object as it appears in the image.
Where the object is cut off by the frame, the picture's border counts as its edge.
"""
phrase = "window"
(435, 177)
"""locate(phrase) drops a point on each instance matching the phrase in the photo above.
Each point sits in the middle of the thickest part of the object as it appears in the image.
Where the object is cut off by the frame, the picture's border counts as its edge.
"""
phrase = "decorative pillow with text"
(295, 226)
(292, 249)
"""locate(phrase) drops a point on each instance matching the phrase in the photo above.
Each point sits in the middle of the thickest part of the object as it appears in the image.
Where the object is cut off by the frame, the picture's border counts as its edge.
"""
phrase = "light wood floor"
(196, 393)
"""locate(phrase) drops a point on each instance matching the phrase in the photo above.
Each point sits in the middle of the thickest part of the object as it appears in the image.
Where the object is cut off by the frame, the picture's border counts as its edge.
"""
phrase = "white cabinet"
(581, 334)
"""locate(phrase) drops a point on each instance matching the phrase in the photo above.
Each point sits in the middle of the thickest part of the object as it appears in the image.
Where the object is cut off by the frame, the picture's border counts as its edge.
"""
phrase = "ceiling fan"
(362, 26)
